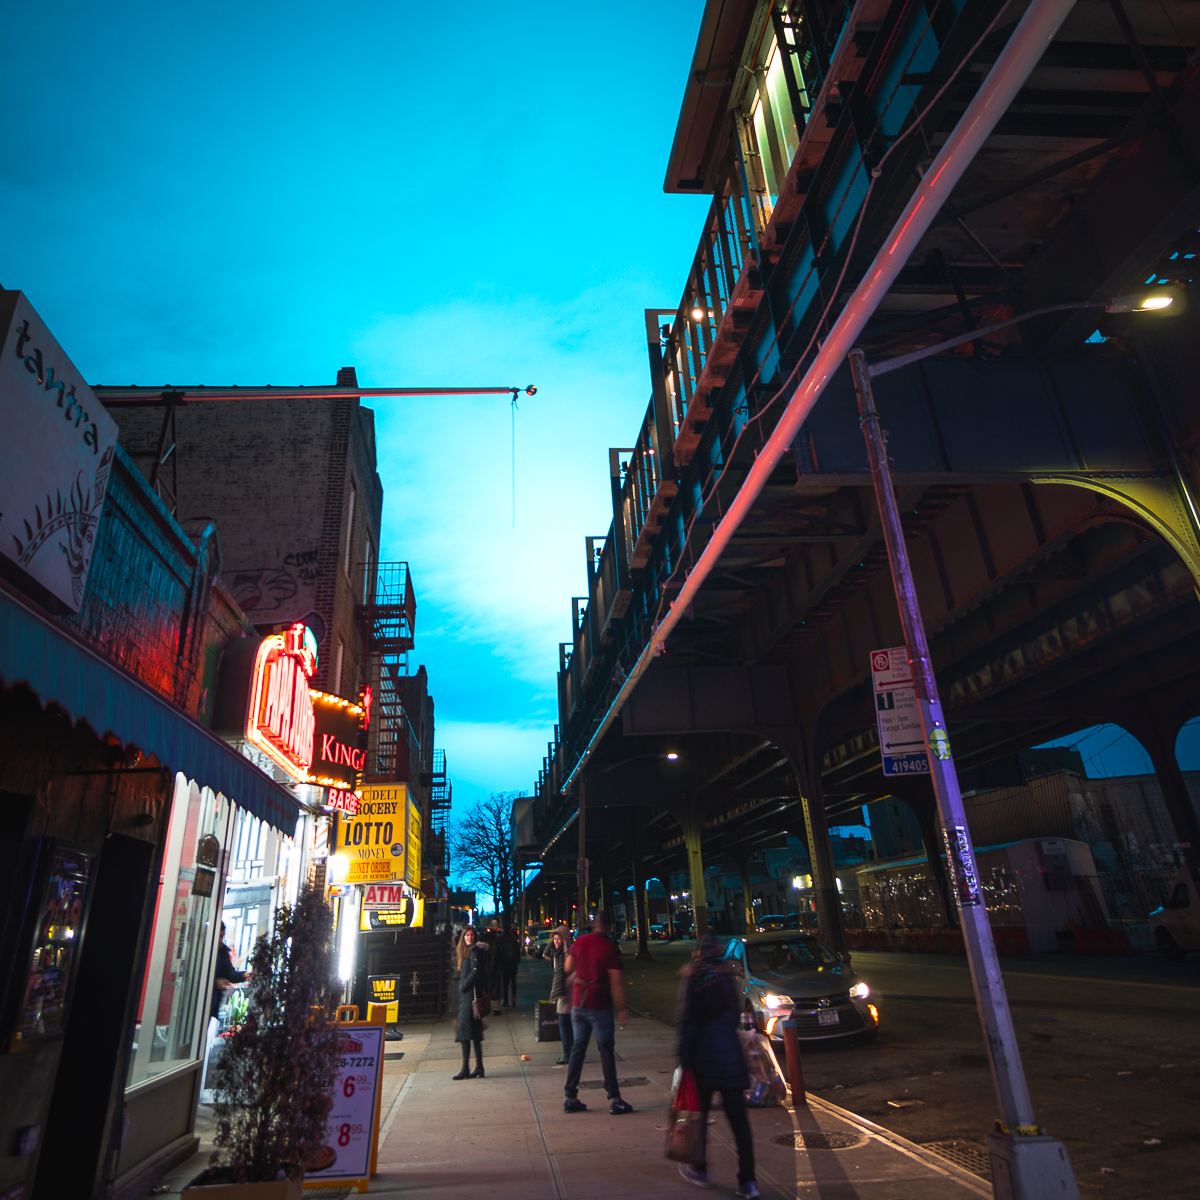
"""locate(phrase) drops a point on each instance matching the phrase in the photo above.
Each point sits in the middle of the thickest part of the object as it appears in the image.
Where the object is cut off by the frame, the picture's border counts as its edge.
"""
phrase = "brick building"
(292, 488)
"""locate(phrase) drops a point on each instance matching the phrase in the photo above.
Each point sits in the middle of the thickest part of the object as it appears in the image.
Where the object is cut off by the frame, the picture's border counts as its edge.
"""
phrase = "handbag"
(481, 1006)
(685, 1126)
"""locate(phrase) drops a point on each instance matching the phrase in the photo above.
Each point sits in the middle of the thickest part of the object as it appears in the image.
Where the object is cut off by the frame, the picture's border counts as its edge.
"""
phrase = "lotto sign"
(374, 839)
(350, 1133)
(901, 743)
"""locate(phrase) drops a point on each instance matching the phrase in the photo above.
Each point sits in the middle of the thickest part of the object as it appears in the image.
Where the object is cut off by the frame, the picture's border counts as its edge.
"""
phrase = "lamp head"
(1154, 300)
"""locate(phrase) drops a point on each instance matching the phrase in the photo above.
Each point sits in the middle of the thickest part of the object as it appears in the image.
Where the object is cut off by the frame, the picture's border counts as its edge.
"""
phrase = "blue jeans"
(583, 1022)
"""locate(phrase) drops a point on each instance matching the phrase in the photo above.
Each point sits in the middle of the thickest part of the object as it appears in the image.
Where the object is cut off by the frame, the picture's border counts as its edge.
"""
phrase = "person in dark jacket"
(226, 974)
(471, 982)
(710, 1011)
(493, 978)
(510, 959)
(560, 989)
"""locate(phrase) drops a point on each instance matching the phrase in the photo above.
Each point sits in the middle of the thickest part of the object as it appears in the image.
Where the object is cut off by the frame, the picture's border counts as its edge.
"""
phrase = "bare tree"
(483, 853)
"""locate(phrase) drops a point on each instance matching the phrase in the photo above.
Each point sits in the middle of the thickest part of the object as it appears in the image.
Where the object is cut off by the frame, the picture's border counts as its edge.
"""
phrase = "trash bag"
(767, 1088)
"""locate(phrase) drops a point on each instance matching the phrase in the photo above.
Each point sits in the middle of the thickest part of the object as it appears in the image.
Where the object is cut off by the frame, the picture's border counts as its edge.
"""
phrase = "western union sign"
(383, 839)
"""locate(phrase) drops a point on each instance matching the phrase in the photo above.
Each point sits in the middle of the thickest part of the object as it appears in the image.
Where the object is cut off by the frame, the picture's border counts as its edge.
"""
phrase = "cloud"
(490, 756)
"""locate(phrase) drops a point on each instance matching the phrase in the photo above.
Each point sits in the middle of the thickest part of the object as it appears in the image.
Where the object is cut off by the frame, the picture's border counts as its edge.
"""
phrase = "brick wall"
(276, 476)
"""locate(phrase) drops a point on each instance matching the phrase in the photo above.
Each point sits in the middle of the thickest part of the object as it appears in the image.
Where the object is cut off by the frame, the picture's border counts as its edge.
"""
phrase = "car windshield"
(787, 955)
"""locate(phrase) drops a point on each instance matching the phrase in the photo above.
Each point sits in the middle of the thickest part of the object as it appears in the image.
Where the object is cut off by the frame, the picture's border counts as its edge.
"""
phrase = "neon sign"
(281, 721)
(338, 758)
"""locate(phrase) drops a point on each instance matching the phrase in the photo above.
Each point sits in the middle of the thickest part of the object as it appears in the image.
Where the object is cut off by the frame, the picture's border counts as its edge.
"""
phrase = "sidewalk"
(507, 1136)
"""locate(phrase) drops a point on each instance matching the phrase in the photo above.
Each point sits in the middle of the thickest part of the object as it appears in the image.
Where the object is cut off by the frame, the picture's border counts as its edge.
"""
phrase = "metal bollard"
(791, 1045)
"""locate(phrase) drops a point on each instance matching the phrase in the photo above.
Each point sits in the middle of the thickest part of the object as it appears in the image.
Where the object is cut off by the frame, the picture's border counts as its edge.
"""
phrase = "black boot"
(478, 1072)
(465, 1073)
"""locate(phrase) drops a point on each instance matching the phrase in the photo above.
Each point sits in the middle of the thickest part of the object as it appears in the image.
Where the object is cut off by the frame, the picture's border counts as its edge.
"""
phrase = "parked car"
(770, 922)
(541, 939)
(1176, 924)
(794, 975)
(658, 933)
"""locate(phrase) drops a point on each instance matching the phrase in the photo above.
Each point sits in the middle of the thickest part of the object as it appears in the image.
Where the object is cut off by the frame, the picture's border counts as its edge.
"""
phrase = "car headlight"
(860, 990)
(773, 1001)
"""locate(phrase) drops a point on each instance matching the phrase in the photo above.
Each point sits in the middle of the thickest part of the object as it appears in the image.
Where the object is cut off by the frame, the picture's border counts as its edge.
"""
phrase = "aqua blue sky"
(265, 192)
(436, 194)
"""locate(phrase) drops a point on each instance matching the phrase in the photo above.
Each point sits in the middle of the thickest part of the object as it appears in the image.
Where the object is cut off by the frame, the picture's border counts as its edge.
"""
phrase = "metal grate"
(963, 1152)
(388, 614)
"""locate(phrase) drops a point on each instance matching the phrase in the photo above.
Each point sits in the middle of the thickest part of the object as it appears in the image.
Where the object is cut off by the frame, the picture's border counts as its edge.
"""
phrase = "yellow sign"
(412, 870)
(409, 915)
(383, 991)
(375, 839)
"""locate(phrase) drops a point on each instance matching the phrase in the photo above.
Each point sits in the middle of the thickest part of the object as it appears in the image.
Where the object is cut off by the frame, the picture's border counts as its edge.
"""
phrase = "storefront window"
(175, 994)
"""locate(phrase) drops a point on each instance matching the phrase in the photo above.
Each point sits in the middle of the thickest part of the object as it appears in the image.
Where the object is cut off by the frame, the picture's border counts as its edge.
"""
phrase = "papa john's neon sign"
(281, 721)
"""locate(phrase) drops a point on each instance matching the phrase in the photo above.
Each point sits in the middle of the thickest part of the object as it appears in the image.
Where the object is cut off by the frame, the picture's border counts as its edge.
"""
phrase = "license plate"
(828, 1016)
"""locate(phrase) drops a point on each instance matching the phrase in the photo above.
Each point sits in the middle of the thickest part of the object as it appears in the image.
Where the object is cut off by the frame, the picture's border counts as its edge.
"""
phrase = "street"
(1110, 1045)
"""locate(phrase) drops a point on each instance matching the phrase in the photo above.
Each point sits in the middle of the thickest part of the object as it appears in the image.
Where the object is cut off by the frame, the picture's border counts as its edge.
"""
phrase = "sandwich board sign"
(901, 742)
(352, 1133)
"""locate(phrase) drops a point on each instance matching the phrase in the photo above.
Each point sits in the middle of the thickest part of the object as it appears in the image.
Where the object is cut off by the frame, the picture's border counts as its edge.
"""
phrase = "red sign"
(338, 758)
(280, 721)
(342, 801)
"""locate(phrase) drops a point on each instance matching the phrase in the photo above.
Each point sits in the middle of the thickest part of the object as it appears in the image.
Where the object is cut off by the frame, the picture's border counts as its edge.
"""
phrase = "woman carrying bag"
(472, 1001)
(710, 1048)
(560, 991)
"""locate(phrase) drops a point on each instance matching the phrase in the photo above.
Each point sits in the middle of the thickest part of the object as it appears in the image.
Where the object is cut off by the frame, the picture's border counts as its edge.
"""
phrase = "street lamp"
(1022, 1136)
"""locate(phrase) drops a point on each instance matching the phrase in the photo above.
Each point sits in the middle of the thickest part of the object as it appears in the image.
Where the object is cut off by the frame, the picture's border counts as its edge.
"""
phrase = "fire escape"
(388, 621)
(439, 793)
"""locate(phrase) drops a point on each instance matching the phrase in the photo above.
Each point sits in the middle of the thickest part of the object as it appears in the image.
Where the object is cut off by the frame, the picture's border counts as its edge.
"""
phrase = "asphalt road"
(1111, 1048)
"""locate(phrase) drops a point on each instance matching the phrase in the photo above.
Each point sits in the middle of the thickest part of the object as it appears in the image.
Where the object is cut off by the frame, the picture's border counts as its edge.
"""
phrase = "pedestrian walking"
(560, 989)
(471, 985)
(226, 975)
(709, 1013)
(510, 960)
(599, 981)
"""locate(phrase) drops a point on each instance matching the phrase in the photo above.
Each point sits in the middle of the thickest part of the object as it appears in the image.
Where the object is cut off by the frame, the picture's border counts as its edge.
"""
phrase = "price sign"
(353, 1119)
(901, 742)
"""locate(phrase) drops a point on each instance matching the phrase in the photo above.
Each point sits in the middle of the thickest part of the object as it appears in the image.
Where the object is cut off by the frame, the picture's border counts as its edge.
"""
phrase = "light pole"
(1026, 1161)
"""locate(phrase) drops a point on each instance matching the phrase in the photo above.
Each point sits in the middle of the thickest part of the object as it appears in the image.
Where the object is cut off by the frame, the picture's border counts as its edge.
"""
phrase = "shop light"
(338, 868)
(348, 935)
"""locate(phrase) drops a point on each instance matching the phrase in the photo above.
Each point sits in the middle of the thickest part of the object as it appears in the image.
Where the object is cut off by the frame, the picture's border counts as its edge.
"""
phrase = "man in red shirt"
(599, 980)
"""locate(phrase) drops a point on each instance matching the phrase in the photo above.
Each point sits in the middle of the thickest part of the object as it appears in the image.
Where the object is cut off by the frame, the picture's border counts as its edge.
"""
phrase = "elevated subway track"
(1045, 480)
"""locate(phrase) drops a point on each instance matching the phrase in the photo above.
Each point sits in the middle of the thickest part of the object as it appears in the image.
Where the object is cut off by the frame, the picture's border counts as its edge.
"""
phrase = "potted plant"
(275, 1076)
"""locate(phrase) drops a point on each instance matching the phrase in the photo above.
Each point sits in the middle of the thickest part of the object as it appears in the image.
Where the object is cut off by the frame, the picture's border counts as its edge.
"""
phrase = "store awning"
(60, 670)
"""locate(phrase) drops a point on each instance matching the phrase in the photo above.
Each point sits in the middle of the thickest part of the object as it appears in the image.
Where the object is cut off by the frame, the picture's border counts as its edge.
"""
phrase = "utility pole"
(1027, 1164)
(581, 865)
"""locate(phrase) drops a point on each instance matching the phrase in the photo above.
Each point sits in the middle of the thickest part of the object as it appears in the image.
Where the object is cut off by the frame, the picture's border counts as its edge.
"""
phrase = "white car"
(1176, 925)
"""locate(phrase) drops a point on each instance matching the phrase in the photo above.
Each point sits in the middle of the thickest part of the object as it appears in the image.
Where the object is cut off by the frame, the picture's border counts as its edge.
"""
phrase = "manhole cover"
(821, 1140)
(639, 1081)
(962, 1152)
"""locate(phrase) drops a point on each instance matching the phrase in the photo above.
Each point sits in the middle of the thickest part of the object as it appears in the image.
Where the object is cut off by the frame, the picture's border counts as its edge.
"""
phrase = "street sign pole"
(1026, 1163)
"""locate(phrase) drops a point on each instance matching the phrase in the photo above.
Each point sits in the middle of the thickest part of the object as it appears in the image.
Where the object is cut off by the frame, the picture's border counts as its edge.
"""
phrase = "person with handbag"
(473, 1003)
(560, 992)
(709, 1013)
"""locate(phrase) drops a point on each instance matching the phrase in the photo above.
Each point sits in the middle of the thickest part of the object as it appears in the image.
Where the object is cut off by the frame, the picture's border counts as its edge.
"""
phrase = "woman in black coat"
(472, 981)
(710, 1011)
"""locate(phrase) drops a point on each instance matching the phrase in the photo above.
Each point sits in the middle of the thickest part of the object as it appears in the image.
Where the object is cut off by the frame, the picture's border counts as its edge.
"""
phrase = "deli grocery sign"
(56, 458)
(382, 841)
